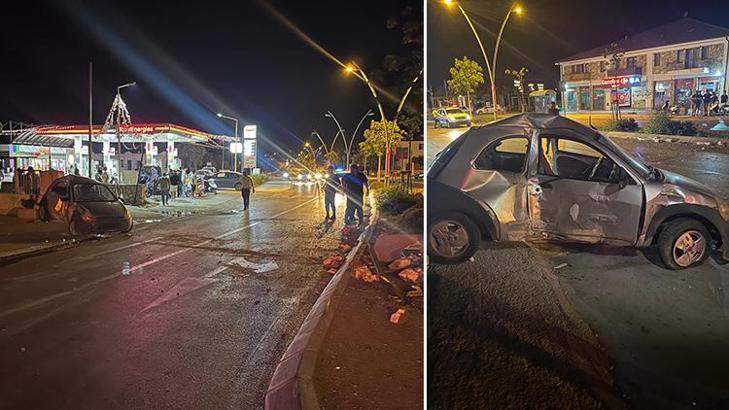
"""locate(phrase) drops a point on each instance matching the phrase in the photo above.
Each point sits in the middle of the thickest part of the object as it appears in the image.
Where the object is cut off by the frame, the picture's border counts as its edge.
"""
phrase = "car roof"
(76, 179)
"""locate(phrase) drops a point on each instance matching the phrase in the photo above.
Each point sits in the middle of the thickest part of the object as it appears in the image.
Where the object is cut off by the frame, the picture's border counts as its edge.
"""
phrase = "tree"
(612, 55)
(466, 75)
(519, 76)
(380, 137)
(332, 157)
(192, 155)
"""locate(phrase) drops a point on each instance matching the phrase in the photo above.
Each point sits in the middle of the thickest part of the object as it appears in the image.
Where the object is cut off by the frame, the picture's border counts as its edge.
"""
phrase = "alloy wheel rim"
(449, 238)
(689, 248)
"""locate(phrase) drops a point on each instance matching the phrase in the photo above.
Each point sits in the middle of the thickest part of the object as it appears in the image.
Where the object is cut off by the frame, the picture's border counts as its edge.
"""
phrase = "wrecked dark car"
(545, 177)
(87, 205)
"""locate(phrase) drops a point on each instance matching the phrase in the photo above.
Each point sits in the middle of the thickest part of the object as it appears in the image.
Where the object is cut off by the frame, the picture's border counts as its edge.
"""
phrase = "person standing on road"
(164, 188)
(174, 184)
(706, 100)
(553, 109)
(724, 98)
(354, 184)
(246, 189)
(331, 184)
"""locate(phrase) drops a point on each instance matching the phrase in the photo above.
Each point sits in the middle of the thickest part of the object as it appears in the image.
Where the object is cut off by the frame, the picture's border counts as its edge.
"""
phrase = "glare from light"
(300, 177)
(285, 174)
(518, 9)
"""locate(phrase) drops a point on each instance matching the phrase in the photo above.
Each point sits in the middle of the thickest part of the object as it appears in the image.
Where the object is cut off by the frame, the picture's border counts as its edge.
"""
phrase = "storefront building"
(61, 147)
(667, 63)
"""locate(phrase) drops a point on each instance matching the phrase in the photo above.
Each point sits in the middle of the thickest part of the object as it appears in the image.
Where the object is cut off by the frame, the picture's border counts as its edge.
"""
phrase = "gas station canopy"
(131, 133)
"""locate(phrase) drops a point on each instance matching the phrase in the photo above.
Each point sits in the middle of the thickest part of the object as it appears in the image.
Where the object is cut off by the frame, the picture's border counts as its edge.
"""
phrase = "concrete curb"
(668, 138)
(9, 257)
(292, 384)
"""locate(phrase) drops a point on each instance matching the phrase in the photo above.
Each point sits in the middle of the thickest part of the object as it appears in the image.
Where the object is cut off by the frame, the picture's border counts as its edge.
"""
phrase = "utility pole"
(91, 112)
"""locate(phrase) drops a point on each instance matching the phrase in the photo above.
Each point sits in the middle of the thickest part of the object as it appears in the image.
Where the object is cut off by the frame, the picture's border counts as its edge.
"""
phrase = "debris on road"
(561, 265)
(415, 293)
(364, 274)
(410, 275)
(333, 262)
(400, 263)
(395, 317)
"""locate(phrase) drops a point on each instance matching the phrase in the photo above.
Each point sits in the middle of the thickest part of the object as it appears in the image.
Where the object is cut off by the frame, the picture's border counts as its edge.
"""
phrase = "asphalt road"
(665, 331)
(213, 299)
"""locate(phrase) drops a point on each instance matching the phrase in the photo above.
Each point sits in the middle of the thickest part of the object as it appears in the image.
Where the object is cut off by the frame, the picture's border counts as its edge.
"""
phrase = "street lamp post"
(369, 113)
(235, 138)
(118, 135)
(490, 67)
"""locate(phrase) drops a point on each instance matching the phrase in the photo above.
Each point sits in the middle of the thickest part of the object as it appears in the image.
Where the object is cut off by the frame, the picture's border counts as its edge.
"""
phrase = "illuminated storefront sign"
(18, 151)
(621, 81)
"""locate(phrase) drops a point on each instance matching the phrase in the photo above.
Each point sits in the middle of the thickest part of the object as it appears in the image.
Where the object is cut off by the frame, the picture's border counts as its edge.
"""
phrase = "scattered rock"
(410, 275)
(401, 263)
(395, 317)
(415, 293)
(364, 274)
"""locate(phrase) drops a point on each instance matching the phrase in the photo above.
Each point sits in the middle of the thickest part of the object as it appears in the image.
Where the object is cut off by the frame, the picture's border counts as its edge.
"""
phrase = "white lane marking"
(207, 241)
(186, 286)
(257, 267)
(131, 245)
(46, 299)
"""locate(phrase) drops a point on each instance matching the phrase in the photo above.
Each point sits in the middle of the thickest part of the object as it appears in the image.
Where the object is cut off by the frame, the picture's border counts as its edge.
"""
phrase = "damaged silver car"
(545, 177)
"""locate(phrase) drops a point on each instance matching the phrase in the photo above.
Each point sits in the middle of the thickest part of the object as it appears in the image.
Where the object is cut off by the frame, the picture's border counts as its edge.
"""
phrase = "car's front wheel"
(684, 243)
(452, 238)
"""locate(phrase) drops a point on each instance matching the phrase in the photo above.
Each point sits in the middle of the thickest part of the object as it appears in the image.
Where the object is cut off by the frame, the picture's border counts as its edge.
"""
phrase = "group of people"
(179, 184)
(701, 102)
(353, 186)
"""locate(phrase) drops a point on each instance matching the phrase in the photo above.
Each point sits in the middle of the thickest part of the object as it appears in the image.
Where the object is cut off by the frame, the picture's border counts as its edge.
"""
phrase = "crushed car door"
(498, 179)
(57, 200)
(580, 194)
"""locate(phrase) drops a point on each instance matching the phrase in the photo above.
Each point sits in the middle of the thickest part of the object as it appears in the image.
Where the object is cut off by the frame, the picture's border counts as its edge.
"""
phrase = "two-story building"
(666, 63)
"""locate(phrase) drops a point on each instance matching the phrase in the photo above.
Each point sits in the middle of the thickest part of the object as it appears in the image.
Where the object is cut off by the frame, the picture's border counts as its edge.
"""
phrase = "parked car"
(540, 176)
(227, 179)
(451, 117)
(87, 205)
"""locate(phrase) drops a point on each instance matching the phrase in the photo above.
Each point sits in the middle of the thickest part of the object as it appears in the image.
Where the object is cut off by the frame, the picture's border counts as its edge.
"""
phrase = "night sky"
(548, 31)
(193, 59)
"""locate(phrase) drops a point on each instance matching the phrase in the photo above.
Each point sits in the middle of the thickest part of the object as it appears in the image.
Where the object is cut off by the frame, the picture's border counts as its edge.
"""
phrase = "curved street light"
(490, 67)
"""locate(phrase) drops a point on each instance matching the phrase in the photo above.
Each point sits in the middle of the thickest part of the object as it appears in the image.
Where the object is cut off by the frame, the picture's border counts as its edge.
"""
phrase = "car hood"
(688, 183)
(104, 209)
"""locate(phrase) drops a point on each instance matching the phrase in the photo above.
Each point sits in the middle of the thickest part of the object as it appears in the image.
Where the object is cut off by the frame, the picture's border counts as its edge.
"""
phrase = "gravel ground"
(501, 338)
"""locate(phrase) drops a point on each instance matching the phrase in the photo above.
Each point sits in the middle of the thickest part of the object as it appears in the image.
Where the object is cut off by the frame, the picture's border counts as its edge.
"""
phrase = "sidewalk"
(22, 238)
(366, 360)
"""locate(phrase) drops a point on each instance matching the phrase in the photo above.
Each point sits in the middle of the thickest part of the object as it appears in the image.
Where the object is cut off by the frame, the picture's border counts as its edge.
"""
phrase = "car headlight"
(468, 117)
(723, 208)
(300, 177)
(285, 174)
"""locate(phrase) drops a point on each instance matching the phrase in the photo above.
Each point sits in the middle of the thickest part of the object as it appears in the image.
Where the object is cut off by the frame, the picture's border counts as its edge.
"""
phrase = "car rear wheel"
(452, 238)
(684, 243)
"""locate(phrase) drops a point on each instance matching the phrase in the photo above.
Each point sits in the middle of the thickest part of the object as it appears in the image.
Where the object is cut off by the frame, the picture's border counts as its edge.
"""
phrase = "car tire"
(459, 230)
(683, 243)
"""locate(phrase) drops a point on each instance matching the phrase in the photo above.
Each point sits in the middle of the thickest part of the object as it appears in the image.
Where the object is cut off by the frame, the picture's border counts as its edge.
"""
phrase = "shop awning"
(30, 137)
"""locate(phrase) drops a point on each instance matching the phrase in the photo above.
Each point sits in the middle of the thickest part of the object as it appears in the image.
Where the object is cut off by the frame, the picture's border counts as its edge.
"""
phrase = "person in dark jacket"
(553, 109)
(164, 188)
(331, 184)
(354, 185)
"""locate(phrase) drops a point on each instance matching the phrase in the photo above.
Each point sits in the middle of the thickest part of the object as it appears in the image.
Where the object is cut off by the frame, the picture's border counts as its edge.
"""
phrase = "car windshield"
(645, 170)
(454, 111)
(92, 193)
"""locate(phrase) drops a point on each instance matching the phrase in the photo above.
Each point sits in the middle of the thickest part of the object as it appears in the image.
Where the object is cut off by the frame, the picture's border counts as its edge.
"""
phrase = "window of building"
(657, 59)
(578, 68)
(129, 164)
(704, 53)
(603, 66)
(680, 55)
(508, 154)
(631, 62)
(692, 56)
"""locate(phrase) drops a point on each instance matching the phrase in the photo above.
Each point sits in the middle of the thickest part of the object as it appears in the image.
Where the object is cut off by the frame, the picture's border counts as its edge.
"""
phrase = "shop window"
(657, 59)
(631, 62)
(507, 154)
